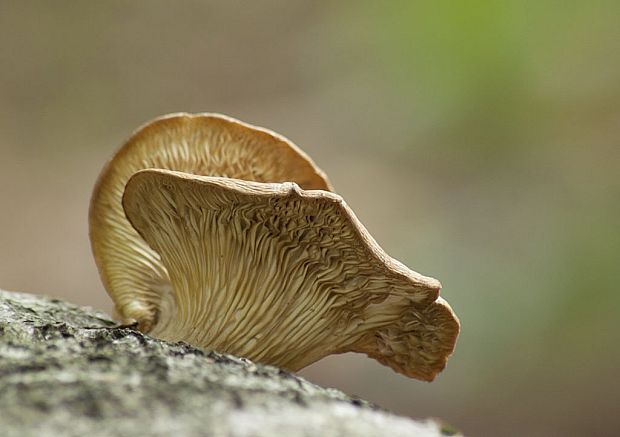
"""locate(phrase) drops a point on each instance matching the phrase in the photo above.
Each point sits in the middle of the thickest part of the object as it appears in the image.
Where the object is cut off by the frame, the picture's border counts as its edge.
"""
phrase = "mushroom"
(227, 236)
(208, 144)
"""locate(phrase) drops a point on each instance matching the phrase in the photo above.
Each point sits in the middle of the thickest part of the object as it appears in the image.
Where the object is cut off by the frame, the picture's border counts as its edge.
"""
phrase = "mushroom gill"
(258, 260)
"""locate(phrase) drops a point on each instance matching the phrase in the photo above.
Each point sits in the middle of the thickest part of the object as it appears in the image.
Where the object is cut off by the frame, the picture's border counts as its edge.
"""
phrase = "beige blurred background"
(478, 142)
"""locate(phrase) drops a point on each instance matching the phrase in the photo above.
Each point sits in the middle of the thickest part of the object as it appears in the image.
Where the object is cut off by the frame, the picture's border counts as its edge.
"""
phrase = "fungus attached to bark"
(226, 236)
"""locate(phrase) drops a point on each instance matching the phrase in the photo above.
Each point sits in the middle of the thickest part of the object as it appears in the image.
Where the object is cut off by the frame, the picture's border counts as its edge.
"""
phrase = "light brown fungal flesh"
(226, 236)
(284, 276)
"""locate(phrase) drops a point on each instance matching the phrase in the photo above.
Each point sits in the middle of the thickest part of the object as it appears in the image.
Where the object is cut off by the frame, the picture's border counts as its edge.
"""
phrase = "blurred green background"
(477, 141)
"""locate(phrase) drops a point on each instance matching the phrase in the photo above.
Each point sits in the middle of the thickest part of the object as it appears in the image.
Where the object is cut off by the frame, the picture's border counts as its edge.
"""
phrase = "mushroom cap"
(207, 144)
(283, 275)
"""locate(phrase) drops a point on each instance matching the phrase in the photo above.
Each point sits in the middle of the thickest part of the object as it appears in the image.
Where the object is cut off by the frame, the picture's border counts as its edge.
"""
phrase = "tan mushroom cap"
(283, 275)
(203, 144)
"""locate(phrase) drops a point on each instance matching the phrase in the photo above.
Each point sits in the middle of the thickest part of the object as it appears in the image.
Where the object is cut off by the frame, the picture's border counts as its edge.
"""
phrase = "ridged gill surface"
(284, 276)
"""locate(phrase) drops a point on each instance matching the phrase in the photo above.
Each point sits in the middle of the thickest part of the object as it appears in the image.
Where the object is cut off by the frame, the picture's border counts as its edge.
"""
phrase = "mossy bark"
(66, 370)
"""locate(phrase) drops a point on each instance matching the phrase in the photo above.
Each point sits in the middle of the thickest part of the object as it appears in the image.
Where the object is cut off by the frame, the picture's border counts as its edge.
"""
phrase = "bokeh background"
(477, 141)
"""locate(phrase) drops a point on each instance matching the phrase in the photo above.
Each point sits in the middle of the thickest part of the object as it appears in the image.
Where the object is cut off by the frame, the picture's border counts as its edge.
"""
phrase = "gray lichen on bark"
(66, 370)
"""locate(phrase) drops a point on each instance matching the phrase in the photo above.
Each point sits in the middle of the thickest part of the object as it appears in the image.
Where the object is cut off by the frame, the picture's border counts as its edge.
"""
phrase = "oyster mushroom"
(274, 267)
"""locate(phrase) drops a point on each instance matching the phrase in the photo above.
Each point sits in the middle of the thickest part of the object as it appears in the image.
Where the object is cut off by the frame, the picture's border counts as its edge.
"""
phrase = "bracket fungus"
(227, 236)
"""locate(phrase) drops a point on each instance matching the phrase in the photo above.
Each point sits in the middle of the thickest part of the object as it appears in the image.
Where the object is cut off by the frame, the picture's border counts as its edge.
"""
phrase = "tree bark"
(66, 370)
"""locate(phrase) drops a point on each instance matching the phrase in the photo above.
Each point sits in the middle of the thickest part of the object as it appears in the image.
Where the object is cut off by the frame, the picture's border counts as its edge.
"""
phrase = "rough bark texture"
(66, 370)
